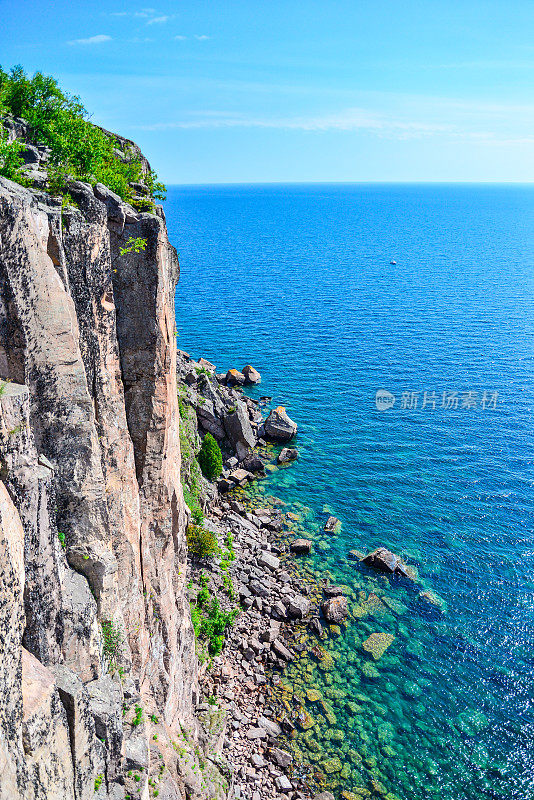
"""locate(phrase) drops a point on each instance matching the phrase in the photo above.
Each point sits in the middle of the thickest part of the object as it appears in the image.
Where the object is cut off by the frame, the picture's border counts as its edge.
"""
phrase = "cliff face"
(92, 517)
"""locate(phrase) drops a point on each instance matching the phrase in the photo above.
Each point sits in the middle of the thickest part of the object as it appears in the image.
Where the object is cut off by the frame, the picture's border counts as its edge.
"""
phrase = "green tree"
(78, 149)
(210, 458)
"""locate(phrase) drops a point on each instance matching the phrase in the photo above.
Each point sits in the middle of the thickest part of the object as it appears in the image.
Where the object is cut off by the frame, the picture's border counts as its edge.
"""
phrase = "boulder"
(281, 757)
(252, 376)
(269, 725)
(238, 428)
(316, 627)
(384, 560)
(281, 650)
(299, 607)
(283, 783)
(279, 611)
(207, 365)
(225, 484)
(267, 559)
(287, 454)
(235, 378)
(240, 476)
(301, 546)
(335, 609)
(253, 463)
(278, 426)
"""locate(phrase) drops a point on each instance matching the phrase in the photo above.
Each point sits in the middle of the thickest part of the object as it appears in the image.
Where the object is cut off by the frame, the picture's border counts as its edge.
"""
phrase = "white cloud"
(99, 39)
(202, 37)
(180, 38)
(158, 20)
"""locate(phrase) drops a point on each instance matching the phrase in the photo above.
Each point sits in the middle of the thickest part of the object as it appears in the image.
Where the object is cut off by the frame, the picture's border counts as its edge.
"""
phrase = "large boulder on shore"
(384, 560)
(278, 426)
(253, 463)
(336, 609)
(252, 376)
(238, 429)
(235, 378)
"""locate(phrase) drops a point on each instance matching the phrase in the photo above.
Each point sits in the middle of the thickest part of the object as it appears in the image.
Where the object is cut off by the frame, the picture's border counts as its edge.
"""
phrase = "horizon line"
(359, 183)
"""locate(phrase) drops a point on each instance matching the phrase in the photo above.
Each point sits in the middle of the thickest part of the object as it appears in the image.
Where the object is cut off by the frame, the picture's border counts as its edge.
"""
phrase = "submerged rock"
(287, 454)
(278, 426)
(433, 601)
(384, 560)
(377, 644)
(332, 524)
(332, 591)
(301, 546)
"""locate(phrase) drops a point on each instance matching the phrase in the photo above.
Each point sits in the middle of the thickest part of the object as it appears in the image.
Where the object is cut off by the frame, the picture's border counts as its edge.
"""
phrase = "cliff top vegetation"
(77, 149)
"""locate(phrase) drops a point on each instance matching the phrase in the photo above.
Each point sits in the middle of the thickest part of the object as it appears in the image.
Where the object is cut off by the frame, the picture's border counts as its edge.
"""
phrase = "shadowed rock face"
(90, 490)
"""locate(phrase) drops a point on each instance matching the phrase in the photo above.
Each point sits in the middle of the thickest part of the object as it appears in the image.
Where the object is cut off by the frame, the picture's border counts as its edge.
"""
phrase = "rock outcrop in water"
(98, 672)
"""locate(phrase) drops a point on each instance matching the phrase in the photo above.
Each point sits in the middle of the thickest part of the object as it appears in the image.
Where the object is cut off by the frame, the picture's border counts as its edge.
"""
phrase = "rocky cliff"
(98, 672)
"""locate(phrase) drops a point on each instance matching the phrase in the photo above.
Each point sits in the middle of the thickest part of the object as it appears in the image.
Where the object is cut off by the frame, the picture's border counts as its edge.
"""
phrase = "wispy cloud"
(383, 125)
(199, 37)
(158, 20)
(98, 39)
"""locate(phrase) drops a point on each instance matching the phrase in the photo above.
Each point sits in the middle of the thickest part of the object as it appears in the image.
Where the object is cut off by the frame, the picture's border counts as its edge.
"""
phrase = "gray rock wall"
(91, 507)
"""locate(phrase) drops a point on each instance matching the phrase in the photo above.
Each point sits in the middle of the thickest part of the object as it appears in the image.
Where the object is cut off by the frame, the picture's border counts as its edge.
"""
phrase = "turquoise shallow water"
(297, 280)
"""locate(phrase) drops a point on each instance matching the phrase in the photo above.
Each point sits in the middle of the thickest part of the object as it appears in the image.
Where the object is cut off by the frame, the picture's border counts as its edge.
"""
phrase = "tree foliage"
(79, 150)
(210, 458)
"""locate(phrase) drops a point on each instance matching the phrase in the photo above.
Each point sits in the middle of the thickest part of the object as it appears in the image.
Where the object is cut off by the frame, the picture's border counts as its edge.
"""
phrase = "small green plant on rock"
(210, 458)
(201, 542)
(61, 537)
(98, 782)
(133, 245)
(138, 718)
(210, 621)
(112, 643)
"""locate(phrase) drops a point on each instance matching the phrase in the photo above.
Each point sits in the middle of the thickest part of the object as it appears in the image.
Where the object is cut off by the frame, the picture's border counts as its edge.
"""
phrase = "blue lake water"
(297, 280)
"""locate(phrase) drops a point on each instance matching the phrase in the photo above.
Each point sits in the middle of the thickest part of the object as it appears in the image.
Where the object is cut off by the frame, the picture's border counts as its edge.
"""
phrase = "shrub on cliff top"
(210, 458)
(78, 149)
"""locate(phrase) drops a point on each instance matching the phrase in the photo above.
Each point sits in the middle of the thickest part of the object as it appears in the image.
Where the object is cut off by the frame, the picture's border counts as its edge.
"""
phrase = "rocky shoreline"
(288, 611)
(273, 600)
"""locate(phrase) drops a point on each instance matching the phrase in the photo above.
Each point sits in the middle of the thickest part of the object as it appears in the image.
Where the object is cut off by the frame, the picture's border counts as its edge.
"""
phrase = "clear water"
(297, 280)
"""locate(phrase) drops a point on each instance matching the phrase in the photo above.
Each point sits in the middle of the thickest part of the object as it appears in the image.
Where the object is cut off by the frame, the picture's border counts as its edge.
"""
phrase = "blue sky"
(280, 90)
